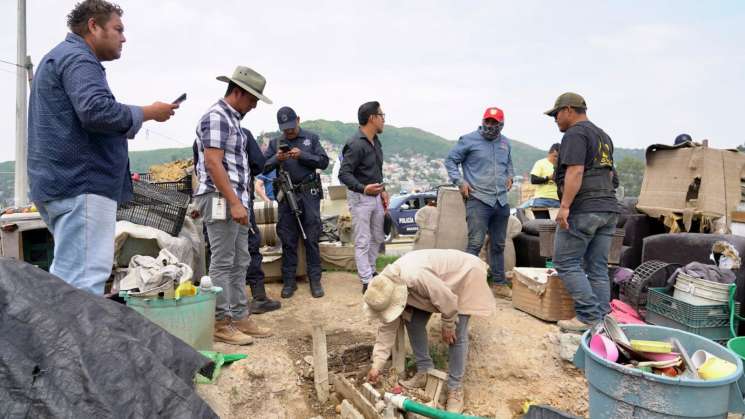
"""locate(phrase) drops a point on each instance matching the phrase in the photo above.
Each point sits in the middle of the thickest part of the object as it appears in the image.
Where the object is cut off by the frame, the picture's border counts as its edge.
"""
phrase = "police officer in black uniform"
(303, 155)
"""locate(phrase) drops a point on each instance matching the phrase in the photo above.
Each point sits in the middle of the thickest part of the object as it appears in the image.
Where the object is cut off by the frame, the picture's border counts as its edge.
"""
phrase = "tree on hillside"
(630, 175)
(741, 148)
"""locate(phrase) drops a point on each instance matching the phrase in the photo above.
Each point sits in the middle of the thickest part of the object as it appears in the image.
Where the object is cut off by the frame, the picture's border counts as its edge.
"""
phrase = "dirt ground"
(511, 359)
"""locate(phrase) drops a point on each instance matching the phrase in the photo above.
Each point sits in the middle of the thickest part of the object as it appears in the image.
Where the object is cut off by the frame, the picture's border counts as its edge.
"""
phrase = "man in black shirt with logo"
(589, 210)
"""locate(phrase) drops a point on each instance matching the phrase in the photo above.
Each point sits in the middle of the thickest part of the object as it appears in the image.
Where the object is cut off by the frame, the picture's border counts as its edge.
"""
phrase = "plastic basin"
(191, 319)
(620, 392)
(737, 346)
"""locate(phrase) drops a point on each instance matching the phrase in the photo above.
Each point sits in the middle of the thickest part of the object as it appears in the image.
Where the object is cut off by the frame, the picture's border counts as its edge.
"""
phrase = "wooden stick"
(320, 364)
(399, 351)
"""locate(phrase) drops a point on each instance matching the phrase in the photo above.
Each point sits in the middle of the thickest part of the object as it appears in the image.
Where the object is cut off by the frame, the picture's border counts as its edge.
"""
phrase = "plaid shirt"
(220, 128)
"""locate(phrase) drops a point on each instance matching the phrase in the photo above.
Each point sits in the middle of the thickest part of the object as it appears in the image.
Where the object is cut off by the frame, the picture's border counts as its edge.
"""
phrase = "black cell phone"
(180, 99)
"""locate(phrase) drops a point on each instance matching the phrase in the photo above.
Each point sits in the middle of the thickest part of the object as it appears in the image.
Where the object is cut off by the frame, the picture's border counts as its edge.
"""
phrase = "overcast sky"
(649, 70)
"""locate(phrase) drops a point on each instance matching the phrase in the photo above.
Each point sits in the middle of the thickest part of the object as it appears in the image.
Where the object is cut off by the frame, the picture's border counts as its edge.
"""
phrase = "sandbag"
(67, 353)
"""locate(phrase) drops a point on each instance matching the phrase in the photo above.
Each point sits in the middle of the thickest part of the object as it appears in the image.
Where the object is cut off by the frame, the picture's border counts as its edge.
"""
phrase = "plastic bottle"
(205, 283)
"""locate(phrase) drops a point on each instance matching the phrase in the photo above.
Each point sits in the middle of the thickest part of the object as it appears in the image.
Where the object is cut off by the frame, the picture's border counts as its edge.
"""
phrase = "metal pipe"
(21, 176)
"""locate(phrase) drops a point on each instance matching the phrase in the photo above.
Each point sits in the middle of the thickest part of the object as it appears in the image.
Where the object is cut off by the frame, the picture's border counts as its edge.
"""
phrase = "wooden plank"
(399, 351)
(738, 216)
(372, 395)
(347, 391)
(320, 364)
(349, 412)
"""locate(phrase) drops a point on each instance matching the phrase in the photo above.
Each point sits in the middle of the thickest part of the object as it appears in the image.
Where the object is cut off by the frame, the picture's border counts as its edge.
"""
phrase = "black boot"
(264, 305)
(288, 289)
(316, 290)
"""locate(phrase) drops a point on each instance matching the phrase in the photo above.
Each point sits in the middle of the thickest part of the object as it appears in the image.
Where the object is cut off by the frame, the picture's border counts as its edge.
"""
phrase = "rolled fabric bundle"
(266, 212)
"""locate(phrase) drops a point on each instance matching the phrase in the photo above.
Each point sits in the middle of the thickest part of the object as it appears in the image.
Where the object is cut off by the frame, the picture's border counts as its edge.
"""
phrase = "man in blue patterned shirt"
(485, 156)
(78, 166)
(223, 200)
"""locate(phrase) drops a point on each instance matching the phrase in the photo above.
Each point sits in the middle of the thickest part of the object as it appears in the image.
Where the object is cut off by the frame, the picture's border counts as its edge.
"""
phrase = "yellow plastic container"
(653, 346)
(186, 289)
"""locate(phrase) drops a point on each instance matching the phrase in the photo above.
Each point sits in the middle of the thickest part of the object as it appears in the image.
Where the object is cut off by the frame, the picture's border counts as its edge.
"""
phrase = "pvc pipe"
(408, 405)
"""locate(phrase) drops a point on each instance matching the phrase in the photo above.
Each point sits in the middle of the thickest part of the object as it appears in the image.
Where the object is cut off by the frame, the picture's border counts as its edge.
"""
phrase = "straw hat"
(385, 298)
(250, 81)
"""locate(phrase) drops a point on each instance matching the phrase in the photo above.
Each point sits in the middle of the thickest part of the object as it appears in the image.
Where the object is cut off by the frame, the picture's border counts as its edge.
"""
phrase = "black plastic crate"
(155, 206)
(182, 185)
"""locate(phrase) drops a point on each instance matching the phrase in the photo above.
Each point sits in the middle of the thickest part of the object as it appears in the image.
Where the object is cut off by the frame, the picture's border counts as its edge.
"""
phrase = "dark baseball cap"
(567, 99)
(286, 118)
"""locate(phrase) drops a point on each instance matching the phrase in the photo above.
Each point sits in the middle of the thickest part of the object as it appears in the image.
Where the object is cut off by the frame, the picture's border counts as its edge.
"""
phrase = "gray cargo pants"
(229, 261)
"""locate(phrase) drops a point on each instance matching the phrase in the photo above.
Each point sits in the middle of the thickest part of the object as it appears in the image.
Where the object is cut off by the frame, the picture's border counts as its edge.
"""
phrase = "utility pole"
(21, 175)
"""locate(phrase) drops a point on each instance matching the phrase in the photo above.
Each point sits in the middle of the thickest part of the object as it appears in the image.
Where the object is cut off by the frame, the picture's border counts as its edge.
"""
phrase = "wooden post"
(399, 351)
(320, 363)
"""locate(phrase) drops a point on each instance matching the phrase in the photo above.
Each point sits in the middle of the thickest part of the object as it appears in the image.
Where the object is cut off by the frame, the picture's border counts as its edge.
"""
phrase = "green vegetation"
(630, 174)
(384, 261)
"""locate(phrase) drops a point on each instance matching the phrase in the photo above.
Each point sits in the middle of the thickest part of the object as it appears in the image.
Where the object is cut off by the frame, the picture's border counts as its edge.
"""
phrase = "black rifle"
(287, 188)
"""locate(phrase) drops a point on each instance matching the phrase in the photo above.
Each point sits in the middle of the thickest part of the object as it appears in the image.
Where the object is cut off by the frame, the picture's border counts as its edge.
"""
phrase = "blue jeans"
(83, 229)
(482, 218)
(587, 241)
(457, 352)
(546, 203)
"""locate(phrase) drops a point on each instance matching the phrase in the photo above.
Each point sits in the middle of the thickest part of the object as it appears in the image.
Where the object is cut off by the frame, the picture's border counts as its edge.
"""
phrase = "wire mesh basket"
(182, 185)
(650, 274)
(155, 206)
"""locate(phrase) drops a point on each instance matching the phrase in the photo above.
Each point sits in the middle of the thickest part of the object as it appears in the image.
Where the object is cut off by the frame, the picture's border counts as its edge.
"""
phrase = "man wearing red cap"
(485, 157)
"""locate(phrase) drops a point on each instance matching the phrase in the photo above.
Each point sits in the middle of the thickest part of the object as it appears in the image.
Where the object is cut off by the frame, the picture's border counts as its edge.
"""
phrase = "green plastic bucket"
(191, 319)
(621, 392)
(737, 346)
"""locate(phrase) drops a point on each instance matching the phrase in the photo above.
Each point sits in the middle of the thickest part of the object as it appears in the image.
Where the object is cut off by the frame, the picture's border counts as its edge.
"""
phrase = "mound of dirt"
(511, 359)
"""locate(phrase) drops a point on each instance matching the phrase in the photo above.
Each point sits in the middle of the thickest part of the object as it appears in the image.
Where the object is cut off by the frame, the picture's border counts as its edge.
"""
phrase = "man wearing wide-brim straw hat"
(223, 199)
(413, 287)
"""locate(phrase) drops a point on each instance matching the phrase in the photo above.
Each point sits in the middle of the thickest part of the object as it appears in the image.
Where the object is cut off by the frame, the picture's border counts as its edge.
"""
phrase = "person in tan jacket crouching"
(416, 285)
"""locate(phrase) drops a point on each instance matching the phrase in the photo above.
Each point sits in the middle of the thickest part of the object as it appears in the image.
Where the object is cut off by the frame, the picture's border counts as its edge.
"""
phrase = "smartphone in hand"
(180, 99)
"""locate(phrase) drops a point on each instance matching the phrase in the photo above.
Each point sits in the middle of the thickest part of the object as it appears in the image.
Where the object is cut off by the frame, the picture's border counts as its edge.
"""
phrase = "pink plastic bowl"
(604, 348)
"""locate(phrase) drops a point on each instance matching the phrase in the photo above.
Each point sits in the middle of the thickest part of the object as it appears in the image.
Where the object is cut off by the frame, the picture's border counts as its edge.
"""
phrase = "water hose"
(408, 405)
(732, 311)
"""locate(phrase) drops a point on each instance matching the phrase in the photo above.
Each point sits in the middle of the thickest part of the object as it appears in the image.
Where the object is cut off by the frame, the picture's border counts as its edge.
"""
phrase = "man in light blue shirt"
(485, 156)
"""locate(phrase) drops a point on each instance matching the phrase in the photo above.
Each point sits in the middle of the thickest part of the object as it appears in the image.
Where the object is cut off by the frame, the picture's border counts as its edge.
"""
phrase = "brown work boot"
(248, 326)
(502, 290)
(455, 401)
(573, 325)
(419, 380)
(226, 332)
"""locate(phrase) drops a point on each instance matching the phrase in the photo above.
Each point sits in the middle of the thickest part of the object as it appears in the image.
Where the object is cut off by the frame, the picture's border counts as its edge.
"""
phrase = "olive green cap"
(567, 99)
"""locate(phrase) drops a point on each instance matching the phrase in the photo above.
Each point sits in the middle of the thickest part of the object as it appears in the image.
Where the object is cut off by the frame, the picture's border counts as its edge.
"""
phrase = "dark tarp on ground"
(67, 353)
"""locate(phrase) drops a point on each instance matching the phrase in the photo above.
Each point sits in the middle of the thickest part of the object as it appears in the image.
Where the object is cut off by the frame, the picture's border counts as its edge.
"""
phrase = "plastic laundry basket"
(621, 392)
(699, 291)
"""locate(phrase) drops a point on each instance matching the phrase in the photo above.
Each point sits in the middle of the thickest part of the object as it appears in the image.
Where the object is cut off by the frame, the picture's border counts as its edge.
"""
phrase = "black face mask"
(491, 132)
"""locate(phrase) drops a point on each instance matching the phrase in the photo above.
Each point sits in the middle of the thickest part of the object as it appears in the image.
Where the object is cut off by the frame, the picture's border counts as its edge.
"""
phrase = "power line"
(179, 142)
(12, 63)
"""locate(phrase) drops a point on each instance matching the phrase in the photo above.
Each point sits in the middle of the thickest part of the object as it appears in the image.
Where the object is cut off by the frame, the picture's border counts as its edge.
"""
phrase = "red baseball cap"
(494, 113)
